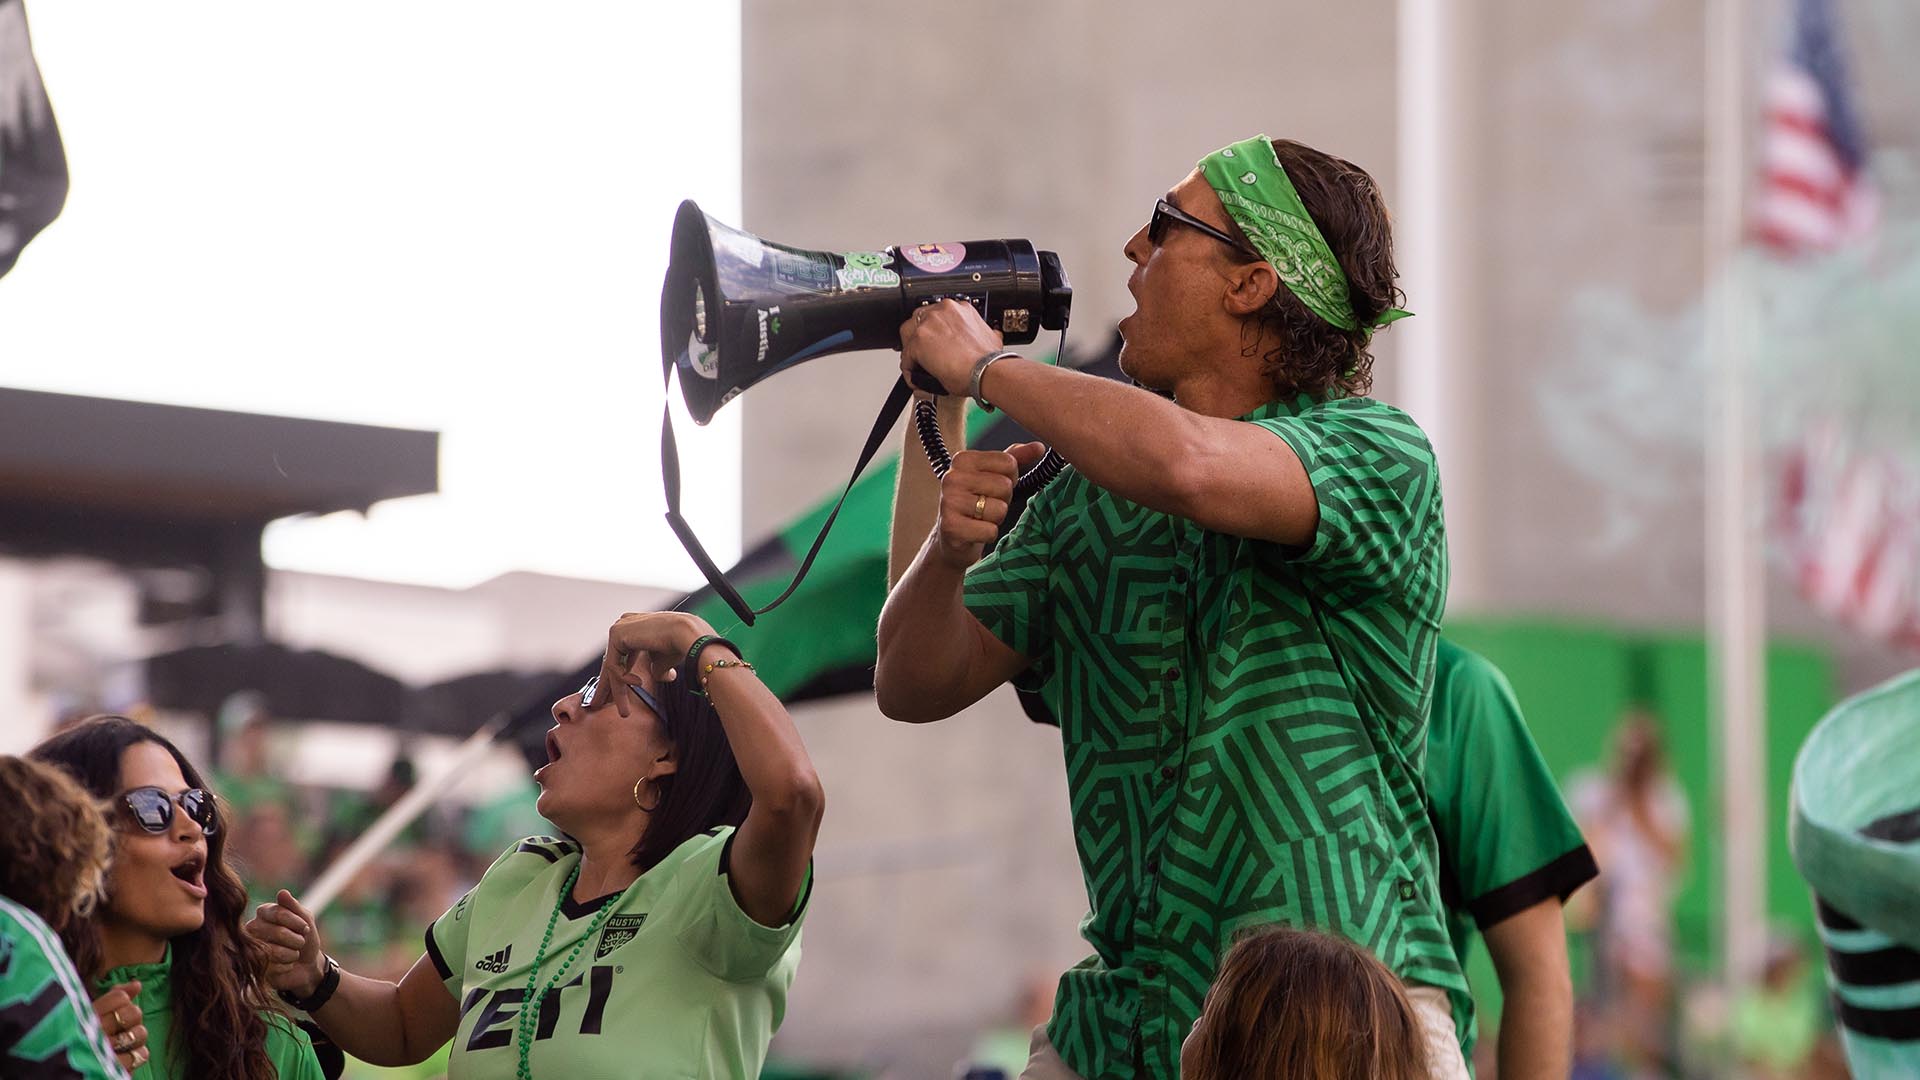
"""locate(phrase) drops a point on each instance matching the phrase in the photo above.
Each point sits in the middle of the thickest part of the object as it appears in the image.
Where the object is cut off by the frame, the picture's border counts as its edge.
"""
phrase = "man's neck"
(1226, 395)
(122, 945)
(605, 863)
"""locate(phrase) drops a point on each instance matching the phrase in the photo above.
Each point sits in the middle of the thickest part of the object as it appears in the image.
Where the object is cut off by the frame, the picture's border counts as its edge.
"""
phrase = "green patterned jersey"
(675, 981)
(1507, 839)
(47, 1026)
(1244, 724)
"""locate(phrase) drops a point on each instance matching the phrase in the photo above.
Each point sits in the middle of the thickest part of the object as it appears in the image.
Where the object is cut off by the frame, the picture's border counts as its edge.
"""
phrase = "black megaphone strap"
(670, 477)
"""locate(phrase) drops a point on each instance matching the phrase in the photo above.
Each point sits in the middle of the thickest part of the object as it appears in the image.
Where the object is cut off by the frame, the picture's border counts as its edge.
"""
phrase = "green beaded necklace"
(529, 1019)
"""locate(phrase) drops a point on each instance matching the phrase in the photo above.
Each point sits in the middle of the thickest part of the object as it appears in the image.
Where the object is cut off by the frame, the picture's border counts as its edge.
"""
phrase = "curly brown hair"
(56, 846)
(219, 972)
(1305, 1005)
(1304, 353)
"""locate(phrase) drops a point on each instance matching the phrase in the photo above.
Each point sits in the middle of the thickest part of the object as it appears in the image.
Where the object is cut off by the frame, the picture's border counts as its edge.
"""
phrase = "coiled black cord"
(927, 423)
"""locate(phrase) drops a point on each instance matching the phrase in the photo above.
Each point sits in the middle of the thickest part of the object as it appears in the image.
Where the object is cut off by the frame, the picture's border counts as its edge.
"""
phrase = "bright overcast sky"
(426, 214)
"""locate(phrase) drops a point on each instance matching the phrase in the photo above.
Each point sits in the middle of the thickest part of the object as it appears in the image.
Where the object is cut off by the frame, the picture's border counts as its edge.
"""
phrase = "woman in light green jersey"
(658, 937)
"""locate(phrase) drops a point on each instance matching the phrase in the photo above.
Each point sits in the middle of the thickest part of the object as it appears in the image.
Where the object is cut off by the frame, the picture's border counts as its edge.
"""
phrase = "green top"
(1507, 839)
(1244, 724)
(682, 980)
(288, 1047)
(47, 1026)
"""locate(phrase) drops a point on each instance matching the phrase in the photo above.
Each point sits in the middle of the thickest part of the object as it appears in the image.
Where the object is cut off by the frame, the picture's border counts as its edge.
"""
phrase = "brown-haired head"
(218, 976)
(1303, 1005)
(56, 847)
(1303, 353)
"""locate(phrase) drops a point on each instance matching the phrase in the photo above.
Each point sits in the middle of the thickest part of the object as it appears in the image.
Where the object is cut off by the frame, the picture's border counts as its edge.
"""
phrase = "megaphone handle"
(919, 379)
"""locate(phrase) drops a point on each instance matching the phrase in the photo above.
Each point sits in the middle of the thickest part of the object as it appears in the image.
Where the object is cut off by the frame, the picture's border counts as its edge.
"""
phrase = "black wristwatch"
(329, 982)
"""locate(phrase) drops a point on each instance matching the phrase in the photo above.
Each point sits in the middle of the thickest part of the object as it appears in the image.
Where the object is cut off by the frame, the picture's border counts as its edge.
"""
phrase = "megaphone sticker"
(706, 358)
(803, 270)
(867, 270)
(935, 258)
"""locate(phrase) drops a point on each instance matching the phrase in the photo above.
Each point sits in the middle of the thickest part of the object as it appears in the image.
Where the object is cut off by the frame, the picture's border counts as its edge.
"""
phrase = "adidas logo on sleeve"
(495, 963)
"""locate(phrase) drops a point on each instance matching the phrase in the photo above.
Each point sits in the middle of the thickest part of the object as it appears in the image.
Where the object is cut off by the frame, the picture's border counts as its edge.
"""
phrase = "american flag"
(1849, 514)
(1814, 196)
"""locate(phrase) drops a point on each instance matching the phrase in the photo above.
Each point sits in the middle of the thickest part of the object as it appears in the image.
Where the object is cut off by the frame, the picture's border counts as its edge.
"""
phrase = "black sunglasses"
(593, 686)
(1165, 214)
(152, 808)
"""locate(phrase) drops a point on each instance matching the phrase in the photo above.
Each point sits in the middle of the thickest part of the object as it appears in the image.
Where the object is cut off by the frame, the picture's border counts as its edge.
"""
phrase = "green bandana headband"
(1261, 200)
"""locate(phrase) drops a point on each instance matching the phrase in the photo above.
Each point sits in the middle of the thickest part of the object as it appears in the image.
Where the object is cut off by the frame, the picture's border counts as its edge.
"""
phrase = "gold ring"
(980, 507)
(126, 1045)
(116, 1019)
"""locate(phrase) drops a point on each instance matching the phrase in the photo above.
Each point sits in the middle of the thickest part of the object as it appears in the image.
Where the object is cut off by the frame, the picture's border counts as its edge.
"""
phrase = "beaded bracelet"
(715, 665)
(692, 662)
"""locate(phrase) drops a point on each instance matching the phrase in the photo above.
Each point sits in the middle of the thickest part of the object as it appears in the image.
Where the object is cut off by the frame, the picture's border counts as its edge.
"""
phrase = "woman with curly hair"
(170, 922)
(1303, 1005)
(53, 863)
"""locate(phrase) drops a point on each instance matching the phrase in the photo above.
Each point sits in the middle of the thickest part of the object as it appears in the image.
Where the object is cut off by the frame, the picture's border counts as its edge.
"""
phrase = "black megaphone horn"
(736, 309)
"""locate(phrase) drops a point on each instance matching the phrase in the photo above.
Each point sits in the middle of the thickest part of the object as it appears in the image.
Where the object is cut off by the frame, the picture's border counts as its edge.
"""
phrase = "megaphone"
(736, 309)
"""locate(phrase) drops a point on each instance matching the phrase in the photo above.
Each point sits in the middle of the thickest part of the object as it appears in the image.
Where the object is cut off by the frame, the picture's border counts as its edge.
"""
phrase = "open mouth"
(191, 872)
(553, 746)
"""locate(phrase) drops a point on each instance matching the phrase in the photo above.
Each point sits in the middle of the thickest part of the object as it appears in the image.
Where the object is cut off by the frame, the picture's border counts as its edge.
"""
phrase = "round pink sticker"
(934, 258)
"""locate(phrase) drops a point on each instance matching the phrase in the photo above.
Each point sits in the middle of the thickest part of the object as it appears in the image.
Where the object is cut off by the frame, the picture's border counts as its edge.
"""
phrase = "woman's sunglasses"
(152, 808)
(592, 688)
(1166, 214)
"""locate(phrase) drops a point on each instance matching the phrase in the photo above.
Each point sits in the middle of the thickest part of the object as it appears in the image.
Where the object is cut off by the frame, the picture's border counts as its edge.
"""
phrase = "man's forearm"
(1529, 951)
(1126, 440)
(1536, 1031)
(926, 643)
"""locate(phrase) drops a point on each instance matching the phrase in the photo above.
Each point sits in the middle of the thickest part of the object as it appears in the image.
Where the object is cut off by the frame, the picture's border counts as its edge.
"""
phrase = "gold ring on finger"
(122, 1024)
(980, 507)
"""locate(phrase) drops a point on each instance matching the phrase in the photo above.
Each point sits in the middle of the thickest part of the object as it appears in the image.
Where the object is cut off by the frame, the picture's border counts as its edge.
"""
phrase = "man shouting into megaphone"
(1230, 602)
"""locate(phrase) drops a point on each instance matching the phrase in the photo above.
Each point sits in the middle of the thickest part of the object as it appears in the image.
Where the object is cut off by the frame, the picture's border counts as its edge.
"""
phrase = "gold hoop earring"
(644, 808)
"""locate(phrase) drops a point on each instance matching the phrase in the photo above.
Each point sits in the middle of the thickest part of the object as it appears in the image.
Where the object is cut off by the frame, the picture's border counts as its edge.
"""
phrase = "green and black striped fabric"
(47, 1027)
(1855, 837)
(1244, 726)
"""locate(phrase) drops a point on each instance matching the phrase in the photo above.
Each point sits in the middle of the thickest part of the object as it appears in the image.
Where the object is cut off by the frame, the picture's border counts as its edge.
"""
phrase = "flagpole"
(1735, 574)
(1434, 366)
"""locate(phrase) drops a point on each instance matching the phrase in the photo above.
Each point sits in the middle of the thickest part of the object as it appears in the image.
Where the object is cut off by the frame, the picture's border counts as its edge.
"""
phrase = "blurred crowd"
(285, 834)
(1640, 1012)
